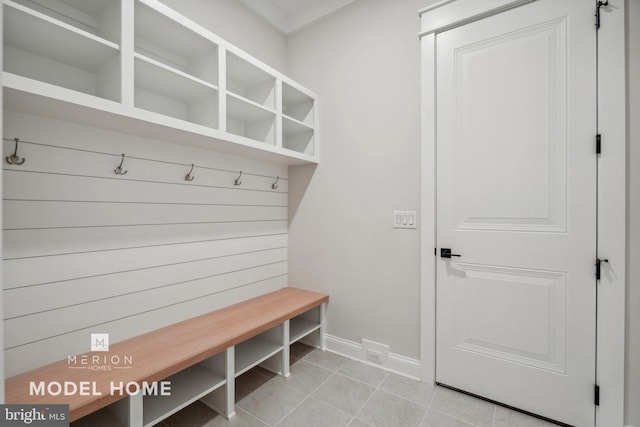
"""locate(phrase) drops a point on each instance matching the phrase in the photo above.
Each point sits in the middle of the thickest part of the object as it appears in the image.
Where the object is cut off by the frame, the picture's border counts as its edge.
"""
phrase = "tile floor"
(325, 389)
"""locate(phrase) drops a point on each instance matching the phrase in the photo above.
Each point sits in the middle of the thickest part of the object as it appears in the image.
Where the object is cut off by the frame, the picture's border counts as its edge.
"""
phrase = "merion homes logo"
(99, 342)
(100, 362)
(104, 360)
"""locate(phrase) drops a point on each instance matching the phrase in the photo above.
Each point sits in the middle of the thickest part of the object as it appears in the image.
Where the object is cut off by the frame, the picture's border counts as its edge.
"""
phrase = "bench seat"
(159, 354)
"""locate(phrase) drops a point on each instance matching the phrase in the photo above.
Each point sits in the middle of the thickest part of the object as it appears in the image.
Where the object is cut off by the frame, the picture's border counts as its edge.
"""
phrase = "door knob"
(446, 253)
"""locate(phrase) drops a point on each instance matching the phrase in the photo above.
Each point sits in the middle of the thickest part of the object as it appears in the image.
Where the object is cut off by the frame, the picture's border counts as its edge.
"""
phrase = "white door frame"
(448, 14)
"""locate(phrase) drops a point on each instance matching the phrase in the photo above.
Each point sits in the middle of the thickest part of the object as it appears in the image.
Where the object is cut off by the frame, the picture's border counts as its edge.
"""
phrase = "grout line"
(307, 396)
(379, 387)
(259, 372)
(239, 409)
(372, 394)
(255, 416)
(435, 390)
(352, 417)
(335, 372)
(495, 409)
(433, 396)
(453, 417)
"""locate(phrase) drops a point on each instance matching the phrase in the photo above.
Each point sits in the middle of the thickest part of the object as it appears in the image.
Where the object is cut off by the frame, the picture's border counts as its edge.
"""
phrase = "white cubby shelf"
(212, 381)
(138, 67)
(187, 386)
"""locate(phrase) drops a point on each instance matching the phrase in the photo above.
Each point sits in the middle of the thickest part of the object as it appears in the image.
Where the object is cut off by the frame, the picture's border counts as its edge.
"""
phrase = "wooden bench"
(200, 357)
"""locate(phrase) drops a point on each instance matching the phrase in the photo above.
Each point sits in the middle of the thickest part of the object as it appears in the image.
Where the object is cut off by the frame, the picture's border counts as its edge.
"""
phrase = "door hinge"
(598, 6)
(598, 266)
(598, 144)
(596, 394)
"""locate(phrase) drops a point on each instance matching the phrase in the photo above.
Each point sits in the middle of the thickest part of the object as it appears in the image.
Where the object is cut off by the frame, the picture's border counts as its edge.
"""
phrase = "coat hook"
(237, 181)
(118, 170)
(275, 184)
(189, 177)
(14, 159)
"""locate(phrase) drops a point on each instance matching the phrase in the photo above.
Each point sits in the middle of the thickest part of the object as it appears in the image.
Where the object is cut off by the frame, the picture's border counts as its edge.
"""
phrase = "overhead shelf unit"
(251, 107)
(81, 54)
(176, 69)
(298, 119)
(137, 66)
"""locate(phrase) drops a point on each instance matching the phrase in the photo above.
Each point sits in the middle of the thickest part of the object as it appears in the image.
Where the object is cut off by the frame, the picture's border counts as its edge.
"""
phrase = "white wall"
(88, 251)
(237, 24)
(364, 63)
(633, 214)
(66, 274)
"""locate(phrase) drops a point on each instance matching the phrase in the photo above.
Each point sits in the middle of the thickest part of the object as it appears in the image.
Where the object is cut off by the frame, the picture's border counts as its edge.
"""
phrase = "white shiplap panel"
(22, 358)
(55, 160)
(26, 329)
(35, 243)
(36, 186)
(21, 214)
(35, 299)
(88, 251)
(26, 272)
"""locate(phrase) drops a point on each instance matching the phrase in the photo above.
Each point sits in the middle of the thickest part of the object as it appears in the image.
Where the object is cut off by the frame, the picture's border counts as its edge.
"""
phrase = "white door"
(516, 198)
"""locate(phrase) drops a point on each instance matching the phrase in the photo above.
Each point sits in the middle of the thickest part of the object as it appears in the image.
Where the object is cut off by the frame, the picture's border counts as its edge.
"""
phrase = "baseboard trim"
(395, 363)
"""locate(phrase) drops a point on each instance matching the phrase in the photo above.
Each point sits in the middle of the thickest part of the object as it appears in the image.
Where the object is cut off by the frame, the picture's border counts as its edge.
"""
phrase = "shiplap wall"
(88, 251)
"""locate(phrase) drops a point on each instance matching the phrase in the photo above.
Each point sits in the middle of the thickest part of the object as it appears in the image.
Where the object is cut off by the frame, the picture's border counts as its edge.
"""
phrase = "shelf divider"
(187, 386)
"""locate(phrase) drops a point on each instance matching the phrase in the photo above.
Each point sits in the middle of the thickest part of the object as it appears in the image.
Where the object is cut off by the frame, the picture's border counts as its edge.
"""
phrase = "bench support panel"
(222, 400)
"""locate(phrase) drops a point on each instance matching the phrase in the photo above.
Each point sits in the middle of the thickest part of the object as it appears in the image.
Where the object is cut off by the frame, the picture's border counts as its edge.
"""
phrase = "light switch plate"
(405, 219)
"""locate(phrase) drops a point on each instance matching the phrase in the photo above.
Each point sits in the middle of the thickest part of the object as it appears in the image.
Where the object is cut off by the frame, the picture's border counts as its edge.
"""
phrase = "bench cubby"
(206, 355)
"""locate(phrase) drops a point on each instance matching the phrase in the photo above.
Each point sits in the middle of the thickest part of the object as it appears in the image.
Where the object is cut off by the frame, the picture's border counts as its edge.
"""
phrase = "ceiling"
(291, 15)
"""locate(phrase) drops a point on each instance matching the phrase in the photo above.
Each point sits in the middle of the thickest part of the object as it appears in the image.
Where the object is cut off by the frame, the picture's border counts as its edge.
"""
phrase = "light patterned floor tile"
(463, 407)
(313, 413)
(385, 410)
(271, 402)
(326, 359)
(344, 393)
(414, 390)
(364, 373)
(438, 419)
(305, 377)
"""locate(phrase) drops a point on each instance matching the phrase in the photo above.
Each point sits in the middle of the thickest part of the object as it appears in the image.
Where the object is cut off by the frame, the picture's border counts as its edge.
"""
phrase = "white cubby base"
(300, 328)
(187, 386)
(252, 352)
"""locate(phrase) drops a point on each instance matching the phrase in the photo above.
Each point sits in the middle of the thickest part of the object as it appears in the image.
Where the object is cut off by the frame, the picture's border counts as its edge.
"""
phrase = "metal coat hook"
(275, 184)
(14, 159)
(599, 5)
(237, 181)
(189, 177)
(118, 170)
